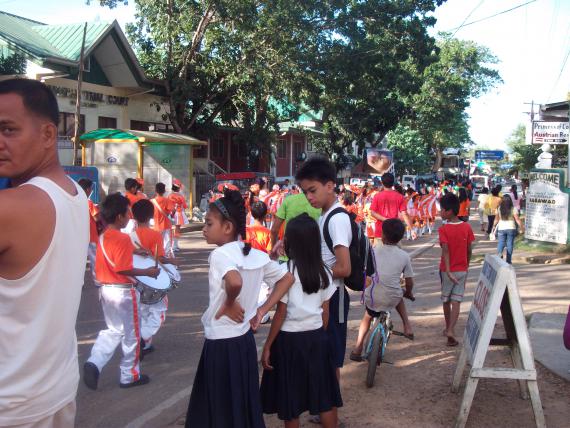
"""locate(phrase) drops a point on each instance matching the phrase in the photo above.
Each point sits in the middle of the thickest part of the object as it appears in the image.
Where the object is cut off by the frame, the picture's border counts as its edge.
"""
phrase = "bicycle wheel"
(374, 358)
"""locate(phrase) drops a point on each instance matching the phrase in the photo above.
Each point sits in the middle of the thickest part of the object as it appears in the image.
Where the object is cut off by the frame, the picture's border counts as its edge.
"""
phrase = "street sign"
(90, 172)
(550, 132)
(506, 166)
(495, 155)
(496, 290)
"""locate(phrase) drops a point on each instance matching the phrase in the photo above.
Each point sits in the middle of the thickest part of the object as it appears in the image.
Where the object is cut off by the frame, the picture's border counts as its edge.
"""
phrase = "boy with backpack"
(385, 293)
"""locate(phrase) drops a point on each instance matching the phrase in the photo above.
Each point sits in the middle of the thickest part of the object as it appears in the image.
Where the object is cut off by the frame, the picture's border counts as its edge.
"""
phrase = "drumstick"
(156, 256)
(159, 264)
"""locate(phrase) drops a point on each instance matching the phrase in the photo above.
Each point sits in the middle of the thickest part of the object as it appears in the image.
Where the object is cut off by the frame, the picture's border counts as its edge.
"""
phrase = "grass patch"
(540, 247)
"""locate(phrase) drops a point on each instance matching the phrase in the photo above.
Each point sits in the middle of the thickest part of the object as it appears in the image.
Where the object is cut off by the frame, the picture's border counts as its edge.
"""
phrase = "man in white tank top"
(43, 249)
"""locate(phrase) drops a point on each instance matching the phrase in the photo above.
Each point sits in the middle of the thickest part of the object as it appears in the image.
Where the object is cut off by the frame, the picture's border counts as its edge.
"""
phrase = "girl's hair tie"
(221, 207)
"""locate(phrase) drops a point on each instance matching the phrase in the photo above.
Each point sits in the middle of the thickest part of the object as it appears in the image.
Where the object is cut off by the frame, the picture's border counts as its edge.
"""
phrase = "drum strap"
(156, 204)
(104, 252)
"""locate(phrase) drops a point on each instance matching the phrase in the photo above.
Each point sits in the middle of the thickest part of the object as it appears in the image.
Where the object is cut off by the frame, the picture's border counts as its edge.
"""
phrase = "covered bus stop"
(153, 156)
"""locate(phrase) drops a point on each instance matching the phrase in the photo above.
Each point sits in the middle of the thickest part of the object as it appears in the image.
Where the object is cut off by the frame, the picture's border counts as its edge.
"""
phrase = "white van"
(409, 180)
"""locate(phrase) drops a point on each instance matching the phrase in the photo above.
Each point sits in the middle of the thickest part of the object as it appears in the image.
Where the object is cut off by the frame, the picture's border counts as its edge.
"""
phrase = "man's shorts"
(451, 291)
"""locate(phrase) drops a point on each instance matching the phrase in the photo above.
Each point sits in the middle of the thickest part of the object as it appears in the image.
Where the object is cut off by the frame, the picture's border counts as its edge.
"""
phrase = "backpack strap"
(326, 233)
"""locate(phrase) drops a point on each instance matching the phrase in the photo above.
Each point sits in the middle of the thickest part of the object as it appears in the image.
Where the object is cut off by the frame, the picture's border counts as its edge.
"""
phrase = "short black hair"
(37, 97)
(393, 230)
(318, 169)
(259, 210)
(160, 188)
(450, 202)
(387, 179)
(85, 183)
(130, 183)
(496, 190)
(143, 210)
(114, 205)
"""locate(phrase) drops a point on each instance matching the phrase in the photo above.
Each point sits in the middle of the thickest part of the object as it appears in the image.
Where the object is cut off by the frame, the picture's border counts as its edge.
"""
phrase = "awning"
(143, 137)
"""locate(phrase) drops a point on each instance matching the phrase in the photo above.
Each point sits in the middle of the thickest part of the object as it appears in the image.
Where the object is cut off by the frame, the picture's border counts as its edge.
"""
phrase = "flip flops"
(355, 356)
(407, 336)
(452, 342)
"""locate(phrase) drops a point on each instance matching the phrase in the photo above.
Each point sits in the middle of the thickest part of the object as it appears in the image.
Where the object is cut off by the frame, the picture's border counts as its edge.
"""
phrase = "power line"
(492, 16)
(559, 74)
(467, 17)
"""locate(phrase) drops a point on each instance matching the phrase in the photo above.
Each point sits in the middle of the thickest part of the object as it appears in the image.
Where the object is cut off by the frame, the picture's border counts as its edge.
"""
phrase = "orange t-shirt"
(259, 237)
(161, 221)
(150, 240)
(178, 201)
(93, 211)
(119, 249)
(464, 208)
(133, 199)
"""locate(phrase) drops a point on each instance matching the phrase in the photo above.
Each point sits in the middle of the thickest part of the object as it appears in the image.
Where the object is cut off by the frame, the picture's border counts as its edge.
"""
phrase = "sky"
(531, 42)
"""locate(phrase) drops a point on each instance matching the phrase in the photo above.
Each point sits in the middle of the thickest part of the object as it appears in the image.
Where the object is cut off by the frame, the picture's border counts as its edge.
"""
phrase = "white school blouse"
(253, 268)
(341, 234)
(304, 311)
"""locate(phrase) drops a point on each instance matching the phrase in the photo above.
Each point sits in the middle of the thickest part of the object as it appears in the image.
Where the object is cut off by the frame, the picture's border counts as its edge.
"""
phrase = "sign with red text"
(550, 132)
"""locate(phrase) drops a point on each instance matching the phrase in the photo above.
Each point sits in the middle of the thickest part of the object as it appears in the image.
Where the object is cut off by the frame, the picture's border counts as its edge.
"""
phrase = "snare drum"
(152, 290)
(172, 272)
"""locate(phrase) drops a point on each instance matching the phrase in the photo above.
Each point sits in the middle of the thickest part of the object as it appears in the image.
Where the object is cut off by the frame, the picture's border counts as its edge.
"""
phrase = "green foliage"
(12, 64)
(524, 156)
(410, 151)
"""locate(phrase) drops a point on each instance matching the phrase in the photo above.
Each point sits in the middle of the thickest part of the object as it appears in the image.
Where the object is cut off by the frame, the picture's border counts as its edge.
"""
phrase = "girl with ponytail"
(226, 386)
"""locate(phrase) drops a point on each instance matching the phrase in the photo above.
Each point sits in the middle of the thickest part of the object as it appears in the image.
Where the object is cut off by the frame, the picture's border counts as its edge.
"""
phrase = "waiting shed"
(153, 156)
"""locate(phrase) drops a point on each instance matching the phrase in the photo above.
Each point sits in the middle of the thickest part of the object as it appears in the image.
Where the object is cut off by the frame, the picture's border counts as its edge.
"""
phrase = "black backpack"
(361, 256)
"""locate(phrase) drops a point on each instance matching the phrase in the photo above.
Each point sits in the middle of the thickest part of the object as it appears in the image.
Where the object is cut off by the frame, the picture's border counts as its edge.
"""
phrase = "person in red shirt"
(180, 218)
(455, 238)
(133, 195)
(163, 208)
(388, 204)
(119, 298)
(87, 186)
(152, 316)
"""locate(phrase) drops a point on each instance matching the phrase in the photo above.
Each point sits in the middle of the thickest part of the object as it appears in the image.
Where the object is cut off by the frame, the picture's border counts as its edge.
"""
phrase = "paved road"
(178, 345)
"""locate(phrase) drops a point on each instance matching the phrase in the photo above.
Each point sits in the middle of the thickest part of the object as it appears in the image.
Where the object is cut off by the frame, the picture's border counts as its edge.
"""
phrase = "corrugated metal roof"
(41, 40)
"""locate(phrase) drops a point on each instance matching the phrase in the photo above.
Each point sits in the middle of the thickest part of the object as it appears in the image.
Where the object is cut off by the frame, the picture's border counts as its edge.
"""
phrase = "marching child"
(152, 316)
(226, 385)
(119, 298)
(180, 218)
(386, 293)
(298, 373)
(133, 195)
(163, 207)
(455, 238)
(257, 234)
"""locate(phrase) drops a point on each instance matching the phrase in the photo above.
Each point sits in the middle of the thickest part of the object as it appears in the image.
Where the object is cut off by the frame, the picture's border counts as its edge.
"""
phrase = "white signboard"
(546, 208)
(550, 132)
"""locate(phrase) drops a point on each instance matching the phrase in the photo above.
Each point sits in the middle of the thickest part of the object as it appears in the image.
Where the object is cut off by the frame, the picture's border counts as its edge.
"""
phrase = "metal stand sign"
(497, 290)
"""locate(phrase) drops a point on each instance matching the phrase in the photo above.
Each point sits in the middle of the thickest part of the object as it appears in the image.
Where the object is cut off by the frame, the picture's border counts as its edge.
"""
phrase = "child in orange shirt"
(258, 235)
(180, 218)
(152, 316)
(163, 207)
(133, 195)
(119, 298)
(87, 186)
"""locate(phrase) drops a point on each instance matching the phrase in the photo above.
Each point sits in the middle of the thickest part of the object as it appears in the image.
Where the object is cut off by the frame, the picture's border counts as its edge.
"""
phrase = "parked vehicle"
(479, 182)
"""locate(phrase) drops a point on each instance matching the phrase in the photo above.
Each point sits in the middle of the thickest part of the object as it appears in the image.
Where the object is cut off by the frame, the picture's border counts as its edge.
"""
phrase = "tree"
(12, 64)
(524, 156)
(410, 151)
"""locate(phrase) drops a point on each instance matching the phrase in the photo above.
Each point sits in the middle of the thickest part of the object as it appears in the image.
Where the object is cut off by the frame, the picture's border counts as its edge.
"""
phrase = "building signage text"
(93, 97)
(550, 132)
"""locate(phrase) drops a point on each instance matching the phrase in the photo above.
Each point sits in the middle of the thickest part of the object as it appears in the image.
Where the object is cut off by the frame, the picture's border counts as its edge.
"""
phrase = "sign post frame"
(498, 287)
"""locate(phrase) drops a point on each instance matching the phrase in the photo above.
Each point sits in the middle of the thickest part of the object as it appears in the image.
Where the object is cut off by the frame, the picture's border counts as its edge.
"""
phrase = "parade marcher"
(317, 179)
(226, 385)
(391, 263)
(464, 204)
(180, 218)
(152, 316)
(43, 249)
(482, 200)
(87, 186)
(119, 298)
(506, 221)
(133, 195)
(298, 373)
(163, 208)
(455, 238)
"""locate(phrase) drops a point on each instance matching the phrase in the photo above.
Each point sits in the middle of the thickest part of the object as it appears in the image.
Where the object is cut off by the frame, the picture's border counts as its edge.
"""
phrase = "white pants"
(152, 317)
(121, 310)
(167, 242)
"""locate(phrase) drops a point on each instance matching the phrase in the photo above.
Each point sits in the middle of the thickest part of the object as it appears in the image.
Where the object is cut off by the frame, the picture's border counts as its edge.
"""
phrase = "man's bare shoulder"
(23, 201)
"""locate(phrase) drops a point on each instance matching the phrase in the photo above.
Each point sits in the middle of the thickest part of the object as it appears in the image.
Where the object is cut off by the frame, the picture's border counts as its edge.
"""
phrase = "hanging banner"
(379, 161)
(550, 132)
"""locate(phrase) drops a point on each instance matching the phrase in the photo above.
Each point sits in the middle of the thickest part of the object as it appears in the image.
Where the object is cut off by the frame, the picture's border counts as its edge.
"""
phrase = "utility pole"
(531, 114)
(78, 99)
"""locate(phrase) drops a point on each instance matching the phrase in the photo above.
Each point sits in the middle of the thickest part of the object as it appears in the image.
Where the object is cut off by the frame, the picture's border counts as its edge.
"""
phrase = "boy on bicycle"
(386, 293)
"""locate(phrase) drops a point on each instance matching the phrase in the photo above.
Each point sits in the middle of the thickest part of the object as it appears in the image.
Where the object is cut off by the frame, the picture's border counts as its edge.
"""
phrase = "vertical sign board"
(90, 172)
(496, 290)
(546, 207)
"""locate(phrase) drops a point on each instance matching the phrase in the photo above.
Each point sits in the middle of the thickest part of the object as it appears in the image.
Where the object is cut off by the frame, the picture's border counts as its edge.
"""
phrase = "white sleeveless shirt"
(38, 348)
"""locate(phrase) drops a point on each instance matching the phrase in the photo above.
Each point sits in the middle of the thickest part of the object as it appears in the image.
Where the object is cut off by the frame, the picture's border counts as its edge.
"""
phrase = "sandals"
(407, 336)
(452, 342)
(356, 356)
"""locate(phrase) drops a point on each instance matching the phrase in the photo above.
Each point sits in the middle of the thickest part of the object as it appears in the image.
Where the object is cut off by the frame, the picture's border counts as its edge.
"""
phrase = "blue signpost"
(90, 172)
(495, 155)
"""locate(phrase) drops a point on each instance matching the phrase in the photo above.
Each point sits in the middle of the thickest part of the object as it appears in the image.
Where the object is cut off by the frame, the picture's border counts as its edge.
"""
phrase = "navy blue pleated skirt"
(226, 386)
(336, 330)
(303, 376)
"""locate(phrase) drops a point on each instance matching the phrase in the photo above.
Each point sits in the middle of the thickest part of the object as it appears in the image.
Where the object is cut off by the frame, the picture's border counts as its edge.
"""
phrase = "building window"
(139, 125)
(309, 146)
(297, 148)
(217, 146)
(107, 122)
(66, 126)
(241, 149)
(281, 149)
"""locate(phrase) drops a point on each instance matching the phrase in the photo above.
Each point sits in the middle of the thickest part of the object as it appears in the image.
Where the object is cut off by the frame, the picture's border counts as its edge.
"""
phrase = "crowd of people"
(290, 247)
